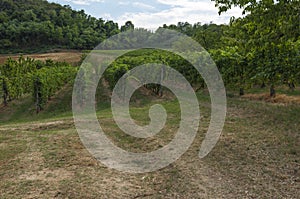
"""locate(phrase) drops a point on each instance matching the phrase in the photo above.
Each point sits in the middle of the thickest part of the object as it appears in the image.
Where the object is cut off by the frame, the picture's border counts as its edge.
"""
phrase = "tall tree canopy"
(267, 39)
(37, 24)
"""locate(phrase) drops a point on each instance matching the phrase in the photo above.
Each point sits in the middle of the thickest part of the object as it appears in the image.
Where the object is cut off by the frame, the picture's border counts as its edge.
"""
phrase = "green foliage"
(128, 26)
(208, 35)
(145, 56)
(115, 72)
(15, 77)
(40, 79)
(50, 79)
(231, 64)
(267, 41)
(261, 48)
(37, 24)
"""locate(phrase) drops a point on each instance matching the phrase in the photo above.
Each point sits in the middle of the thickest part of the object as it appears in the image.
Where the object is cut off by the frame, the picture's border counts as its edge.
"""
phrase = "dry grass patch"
(257, 156)
(72, 57)
(278, 99)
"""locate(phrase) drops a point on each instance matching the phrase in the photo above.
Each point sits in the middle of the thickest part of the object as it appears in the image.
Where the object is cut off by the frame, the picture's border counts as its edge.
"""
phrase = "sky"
(151, 14)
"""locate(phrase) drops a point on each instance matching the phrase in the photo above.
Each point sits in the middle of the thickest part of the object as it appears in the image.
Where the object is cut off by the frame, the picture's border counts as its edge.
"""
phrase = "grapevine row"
(37, 78)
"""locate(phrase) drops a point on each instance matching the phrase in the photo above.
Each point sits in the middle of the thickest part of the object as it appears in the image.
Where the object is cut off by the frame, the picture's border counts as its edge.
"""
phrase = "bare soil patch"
(278, 99)
(72, 57)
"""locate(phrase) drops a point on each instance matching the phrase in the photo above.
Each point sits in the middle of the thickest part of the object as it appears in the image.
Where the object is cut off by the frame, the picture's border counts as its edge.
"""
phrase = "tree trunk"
(272, 91)
(5, 99)
(242, 92)
(5, 92)
(162, 77)
(38, 108)
(38, 95)
(292, 86)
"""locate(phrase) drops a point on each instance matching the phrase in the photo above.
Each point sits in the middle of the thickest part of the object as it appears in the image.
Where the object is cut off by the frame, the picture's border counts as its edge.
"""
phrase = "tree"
(263, 34)
(128, 26)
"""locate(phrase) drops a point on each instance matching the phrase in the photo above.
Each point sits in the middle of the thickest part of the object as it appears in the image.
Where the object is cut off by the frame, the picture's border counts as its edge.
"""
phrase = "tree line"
(37, 24)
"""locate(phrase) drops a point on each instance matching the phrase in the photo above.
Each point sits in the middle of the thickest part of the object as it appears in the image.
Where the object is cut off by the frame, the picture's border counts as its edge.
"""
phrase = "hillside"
(35, 25)
(43, 155)
(257, 155)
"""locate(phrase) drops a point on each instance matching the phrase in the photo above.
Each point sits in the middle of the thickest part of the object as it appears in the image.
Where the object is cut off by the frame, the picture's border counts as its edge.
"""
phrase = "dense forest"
(36, 24)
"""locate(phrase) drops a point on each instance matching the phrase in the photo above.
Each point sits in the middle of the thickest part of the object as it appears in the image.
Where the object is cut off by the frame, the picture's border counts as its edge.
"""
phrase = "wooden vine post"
(38, 94)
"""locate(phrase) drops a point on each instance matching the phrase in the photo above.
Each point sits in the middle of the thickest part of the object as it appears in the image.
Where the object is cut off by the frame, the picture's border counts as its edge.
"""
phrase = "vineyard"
(42, 79)
(52, 56)
(273, 68)
(39, 79)
(274, 65)
(42, 155)
(260, 50)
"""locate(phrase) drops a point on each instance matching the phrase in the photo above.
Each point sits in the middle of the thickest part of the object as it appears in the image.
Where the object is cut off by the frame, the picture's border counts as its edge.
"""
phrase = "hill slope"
(31, 25)
(257, 156)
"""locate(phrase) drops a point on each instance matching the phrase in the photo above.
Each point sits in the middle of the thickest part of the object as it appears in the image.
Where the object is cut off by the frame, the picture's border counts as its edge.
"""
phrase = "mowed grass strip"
(256, 156)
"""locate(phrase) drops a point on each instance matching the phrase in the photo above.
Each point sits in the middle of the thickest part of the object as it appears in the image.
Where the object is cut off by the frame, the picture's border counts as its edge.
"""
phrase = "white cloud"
(107, 16)
(191, 11)
(180, 3)
(151, 14)
(143, 6)
(123, 2)
(85, 2)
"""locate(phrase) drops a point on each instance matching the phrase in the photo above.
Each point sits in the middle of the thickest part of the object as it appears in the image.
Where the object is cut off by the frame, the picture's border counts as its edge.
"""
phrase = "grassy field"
(257, 156)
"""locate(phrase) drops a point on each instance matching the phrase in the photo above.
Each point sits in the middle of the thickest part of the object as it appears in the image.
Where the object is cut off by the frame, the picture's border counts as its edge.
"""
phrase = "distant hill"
(34, 25)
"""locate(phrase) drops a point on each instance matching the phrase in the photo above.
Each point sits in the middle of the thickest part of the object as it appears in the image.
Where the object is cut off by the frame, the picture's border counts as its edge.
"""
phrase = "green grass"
(256, 156)
(23, 110)
(10, 146)
(109, 52)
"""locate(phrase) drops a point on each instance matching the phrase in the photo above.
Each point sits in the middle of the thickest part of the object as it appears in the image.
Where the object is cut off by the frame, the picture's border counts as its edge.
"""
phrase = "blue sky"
(151, 14)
